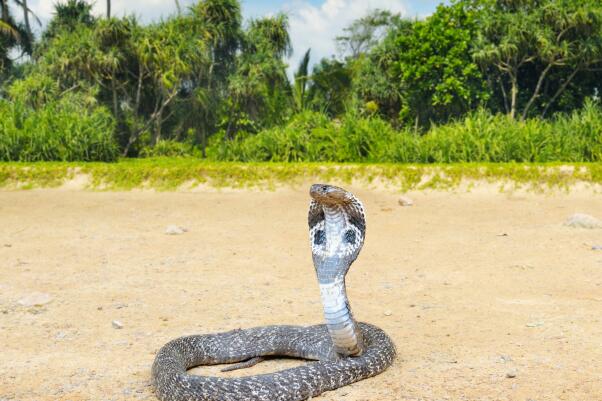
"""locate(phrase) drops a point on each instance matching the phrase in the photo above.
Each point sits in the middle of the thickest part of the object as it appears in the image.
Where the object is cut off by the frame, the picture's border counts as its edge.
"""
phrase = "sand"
(473, 287)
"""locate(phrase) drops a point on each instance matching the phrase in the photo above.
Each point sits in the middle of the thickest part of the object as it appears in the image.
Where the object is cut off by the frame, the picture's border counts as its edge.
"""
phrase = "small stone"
(7, 245)
(597, 248)
(511, 374)
(581, 220)
(175, 230)
(535, 324)
(117, 324)
(405, 201)
(60, 335)
(388, 313)
(35, 299)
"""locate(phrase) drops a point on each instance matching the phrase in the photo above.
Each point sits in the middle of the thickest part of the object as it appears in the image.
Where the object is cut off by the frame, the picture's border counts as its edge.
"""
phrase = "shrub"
(169, 148)
(478, 137)
(66, 129)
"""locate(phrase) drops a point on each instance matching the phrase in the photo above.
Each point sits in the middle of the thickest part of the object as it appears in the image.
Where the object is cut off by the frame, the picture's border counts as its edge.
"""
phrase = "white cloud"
(316, 27)
(146, 10)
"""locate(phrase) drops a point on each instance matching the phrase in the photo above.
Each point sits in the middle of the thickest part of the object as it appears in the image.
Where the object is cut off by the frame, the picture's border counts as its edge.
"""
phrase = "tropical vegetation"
(477, 81)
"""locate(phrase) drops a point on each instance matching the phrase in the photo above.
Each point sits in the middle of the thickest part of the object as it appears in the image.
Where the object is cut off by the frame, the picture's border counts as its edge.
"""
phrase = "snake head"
(337, 227)
(329, 195)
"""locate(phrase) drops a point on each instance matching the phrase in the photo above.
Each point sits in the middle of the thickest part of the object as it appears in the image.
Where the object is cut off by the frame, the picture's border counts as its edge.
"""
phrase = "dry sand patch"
(473, 288)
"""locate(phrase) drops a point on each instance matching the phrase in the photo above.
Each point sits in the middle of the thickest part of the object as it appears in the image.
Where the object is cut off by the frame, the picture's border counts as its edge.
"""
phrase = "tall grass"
(479, 137)
(62, 130)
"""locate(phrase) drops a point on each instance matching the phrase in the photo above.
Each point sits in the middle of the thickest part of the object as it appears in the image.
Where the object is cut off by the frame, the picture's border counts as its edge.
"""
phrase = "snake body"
(344, 351)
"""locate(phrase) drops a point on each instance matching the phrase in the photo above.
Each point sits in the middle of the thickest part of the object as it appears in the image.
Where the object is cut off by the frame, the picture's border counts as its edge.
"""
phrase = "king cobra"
(343, 351)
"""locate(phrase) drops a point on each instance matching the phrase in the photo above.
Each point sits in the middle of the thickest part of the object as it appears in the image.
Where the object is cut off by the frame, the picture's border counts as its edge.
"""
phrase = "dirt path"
(472, 287)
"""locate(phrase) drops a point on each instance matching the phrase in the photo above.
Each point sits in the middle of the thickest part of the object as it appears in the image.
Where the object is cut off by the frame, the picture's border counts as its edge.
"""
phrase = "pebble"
(535, 324)
(388, 313)
(597, 248)
(175, 230)
(35, 299)
(117, 324)
(511, 374)
(581, 220)
(405, 201)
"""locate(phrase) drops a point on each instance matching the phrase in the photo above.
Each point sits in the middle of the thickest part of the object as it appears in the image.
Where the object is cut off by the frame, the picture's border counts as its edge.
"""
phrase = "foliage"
(68, 16)
(479, 137)
(527, 40)
(330, 87)
(365, 33)
(167, 148)
(433, 68)
(203, 82)
(65, 129)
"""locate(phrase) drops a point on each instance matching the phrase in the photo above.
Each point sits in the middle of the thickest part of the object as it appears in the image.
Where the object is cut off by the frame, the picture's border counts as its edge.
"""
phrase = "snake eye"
(324, 188)
(350, 237)
(320, 237)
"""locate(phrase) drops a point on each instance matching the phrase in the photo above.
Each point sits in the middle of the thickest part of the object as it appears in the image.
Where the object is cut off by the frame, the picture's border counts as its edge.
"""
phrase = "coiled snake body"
(345, 351)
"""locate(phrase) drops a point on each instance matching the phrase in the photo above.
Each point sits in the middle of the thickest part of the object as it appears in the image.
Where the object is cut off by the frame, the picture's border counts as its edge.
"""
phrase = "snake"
(340, 352)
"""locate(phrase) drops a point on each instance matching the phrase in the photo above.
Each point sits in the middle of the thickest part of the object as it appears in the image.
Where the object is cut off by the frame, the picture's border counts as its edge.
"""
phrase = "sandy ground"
(472, 287)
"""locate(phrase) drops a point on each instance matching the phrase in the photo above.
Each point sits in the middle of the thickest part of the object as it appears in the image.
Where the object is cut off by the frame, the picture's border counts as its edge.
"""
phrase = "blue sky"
(313, 23)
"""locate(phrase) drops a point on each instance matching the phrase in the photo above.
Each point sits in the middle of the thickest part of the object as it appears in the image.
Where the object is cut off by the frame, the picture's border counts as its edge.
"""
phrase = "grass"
(176, 173)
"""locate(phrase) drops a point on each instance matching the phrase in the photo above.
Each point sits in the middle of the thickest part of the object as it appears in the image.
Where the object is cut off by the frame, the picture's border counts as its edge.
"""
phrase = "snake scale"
(343, 350)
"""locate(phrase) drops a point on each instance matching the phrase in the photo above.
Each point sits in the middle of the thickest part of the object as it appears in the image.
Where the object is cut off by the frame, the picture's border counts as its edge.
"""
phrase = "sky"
(313, 23)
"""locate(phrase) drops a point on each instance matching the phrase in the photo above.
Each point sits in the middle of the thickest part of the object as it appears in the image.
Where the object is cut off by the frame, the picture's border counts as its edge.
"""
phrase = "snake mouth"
(329, 194)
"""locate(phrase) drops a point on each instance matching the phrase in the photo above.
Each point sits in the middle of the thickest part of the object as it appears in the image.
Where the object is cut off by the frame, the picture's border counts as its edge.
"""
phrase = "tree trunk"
(114, 91)
(158, 124)
(514, 96)
(560, 91)
(178, 7)
(108, 9)
(505, 96)
(26, 19)
(535, 95)
(4, 10)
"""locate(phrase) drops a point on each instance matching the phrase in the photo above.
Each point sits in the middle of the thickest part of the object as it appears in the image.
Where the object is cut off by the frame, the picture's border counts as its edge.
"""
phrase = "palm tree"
(108, 9)
(301, 81)
(26, 13)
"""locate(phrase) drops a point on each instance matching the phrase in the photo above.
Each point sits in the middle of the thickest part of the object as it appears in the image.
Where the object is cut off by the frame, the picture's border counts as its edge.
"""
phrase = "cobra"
(342, 351)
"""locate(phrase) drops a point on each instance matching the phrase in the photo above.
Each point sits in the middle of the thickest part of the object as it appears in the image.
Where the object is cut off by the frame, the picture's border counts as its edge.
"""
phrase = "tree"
(365, 33)
(67, 17)
(331, 85)
(259, 90)
(525, 39)
(301, 83)
(432, 66)
(108, 9)
(26, 13)
(12, 35)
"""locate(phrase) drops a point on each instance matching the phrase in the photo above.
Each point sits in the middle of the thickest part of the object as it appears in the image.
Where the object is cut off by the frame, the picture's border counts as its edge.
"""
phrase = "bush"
(479, 137)
(67, 129)
(169, 148)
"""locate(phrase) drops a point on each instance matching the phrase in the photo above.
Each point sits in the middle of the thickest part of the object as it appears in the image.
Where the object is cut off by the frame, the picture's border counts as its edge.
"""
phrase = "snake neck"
(344, 331)
(333, 253)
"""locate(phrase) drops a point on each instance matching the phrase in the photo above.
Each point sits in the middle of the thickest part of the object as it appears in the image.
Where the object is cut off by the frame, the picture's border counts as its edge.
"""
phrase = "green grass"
(172, 173)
